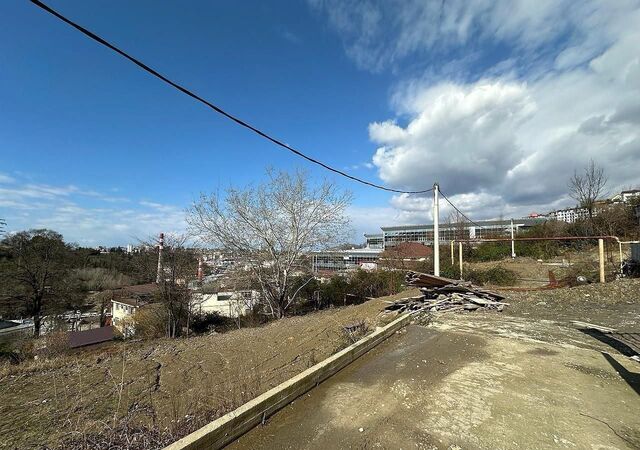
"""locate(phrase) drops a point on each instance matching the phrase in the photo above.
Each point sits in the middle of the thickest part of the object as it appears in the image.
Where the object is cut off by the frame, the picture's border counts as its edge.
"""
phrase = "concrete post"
(601, 257)
(513, 244)
(460, 257)
(452, 256)
(436, 234)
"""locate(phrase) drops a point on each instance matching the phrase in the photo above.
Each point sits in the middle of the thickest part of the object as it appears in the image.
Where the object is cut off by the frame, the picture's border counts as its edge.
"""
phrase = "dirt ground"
(175, 386)
(474, 381)
(535, 273)
(615, 304)
(171, 386)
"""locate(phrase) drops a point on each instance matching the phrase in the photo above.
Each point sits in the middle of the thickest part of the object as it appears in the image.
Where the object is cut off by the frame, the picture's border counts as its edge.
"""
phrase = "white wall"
(228, 304)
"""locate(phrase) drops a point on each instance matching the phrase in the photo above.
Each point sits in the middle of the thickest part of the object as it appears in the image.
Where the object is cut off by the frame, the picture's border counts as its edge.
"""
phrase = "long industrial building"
(340, 260)
(457, 231)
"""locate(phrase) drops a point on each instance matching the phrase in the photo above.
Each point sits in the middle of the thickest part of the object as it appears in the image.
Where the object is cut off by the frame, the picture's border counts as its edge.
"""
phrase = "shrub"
(497, 275)
(17, 349)
(447, 270)
(209, 321)
(56, 343)
(489, 251)
(150, 321)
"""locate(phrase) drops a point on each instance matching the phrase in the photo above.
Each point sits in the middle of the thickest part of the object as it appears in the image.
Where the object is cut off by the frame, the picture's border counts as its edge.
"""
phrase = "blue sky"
(498, 102)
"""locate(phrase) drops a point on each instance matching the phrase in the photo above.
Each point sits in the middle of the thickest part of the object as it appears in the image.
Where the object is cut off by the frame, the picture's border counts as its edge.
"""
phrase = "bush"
(17, 349)
(489, 251)
(56, 343)
(352, 289)
(447, 270)
(497, 275)
(149, 322)
(209, 321)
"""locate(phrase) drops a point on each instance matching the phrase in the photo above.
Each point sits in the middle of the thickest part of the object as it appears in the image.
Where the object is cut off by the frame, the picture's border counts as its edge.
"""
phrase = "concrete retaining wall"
(229, 427)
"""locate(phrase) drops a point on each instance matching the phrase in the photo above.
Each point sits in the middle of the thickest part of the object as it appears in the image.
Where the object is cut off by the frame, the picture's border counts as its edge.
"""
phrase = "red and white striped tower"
(200, 270)
(160, 247)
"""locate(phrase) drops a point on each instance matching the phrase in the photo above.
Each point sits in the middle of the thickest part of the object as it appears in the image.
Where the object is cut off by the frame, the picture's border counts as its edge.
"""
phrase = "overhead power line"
(456, 208)
(214, 107)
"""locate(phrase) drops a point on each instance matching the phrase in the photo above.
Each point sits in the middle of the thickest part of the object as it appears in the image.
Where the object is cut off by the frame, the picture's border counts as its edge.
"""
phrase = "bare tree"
(587, 187)
(273, 225)
(456, 222)
(36, 272)
(178, 269)
(103, 281)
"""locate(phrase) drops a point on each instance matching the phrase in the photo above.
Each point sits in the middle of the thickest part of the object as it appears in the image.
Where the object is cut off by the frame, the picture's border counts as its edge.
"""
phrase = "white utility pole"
(160, 273)
(513, 244)
(436, 234)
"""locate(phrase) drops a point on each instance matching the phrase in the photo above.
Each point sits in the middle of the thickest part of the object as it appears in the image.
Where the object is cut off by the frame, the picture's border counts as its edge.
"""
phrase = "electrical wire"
(460, 212)
(214, 107)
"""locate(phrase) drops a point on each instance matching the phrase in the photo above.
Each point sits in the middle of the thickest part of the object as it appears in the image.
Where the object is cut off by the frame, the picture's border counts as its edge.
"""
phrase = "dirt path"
(472, 382)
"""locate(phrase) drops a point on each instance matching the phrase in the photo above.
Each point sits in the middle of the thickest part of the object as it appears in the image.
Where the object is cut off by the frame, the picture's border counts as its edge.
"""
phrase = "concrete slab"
(456, 385)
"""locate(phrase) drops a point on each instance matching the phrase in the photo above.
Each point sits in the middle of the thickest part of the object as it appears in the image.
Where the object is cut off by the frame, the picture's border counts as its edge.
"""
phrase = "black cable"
(456, 208)
(212, 106)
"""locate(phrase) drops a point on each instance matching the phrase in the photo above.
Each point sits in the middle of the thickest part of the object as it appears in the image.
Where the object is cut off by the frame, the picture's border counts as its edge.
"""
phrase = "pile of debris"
(444, 294)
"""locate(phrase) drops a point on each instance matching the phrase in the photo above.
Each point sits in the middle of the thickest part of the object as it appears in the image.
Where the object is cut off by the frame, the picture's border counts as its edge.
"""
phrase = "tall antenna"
(160, 247)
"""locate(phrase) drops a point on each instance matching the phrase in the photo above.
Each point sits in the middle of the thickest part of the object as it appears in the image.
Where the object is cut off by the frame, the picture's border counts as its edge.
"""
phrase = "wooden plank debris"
(445, 294)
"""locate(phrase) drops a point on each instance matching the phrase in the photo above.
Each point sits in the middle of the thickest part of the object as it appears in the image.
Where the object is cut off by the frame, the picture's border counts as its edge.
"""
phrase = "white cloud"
(106, 221)
(6, 179)
(501, 140)
(519, 142)
(382, 33)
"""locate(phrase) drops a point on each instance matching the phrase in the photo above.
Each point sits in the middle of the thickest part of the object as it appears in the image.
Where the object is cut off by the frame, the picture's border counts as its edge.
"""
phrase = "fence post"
(453, 261)
(601, 257)
(460, 257)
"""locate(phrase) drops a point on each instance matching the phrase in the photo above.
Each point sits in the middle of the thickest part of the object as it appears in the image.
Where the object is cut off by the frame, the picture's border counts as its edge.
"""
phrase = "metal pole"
(601, 257)
(460, 257)
(513, 244)
(436, 234)
(452, 256)
(620, 252)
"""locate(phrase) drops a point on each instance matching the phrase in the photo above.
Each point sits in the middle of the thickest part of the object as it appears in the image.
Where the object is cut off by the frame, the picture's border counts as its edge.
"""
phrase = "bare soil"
(615, 304)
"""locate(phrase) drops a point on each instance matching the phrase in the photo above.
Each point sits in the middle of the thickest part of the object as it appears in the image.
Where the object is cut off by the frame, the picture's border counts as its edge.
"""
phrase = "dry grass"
(146, 394)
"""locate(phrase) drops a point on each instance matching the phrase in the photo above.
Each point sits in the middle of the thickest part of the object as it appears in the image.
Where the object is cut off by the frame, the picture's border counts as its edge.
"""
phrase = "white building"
(122, 311)
(126, 302)
(569, 215)
(626, 196)
(228, 304)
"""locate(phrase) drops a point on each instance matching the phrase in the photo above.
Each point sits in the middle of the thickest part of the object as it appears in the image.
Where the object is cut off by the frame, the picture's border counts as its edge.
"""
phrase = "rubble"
(444, 294)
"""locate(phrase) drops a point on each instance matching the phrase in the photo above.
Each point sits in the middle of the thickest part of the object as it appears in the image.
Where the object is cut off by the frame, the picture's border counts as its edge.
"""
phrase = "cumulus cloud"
(501, 135)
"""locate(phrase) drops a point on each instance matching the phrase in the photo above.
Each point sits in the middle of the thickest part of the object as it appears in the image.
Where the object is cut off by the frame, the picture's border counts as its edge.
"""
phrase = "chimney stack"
(200, 270)
(159, 276)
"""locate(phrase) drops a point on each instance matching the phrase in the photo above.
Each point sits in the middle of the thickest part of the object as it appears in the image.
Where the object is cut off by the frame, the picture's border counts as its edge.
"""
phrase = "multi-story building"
(569, 215)
(457, 231)
(340, 260)
(374, 240)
